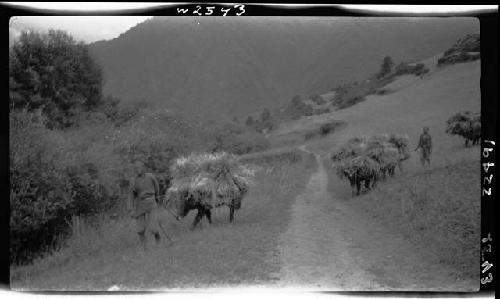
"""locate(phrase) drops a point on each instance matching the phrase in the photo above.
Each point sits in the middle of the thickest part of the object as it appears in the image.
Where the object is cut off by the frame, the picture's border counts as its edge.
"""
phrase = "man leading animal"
(142, 202)
(425, 146)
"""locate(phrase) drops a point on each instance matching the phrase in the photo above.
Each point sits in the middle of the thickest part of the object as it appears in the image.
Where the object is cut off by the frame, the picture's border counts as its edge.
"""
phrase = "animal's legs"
(231, 213)
(197, 219)
(208, 213)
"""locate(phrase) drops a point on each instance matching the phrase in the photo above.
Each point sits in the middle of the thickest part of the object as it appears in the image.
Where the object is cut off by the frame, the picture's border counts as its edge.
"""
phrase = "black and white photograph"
(205, 151)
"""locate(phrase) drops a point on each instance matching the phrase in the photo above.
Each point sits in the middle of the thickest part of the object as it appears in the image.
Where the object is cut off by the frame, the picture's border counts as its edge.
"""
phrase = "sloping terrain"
(416, 103)
(213, 68)
(418, 231)
(300, 227)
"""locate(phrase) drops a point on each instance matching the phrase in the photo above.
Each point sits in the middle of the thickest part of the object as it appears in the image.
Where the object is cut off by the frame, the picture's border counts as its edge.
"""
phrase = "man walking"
(142, 202)
(425, 146)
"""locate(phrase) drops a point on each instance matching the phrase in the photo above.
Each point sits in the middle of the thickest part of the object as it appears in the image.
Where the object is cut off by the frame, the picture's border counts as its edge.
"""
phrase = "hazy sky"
(93, 28)
(86, 28)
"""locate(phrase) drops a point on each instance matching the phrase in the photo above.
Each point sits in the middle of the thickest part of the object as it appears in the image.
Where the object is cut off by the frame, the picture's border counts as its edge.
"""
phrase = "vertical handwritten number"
(487, 238)
(487, 191)
(487, 279)
(197, 10)
(488, 179)
(487, 166)
(210, 10)
(182, 10)
(242, 9)
(225, 11)
(486, 151)
(490, 142)
(486, 265)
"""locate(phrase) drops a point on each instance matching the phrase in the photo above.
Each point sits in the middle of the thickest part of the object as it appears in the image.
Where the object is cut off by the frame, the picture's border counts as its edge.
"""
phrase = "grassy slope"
(439, 211)
(422, 102)
(243, 253)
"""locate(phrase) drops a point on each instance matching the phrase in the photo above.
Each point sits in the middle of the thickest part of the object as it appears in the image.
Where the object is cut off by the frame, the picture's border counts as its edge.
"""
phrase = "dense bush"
(321, 111)
(385, 67)
(237, 139)
(41, 195)
(53, 72)
(56, 174)
(464, 50)
(351, 102)
(318, 99)
(416, 69)
(323, 130)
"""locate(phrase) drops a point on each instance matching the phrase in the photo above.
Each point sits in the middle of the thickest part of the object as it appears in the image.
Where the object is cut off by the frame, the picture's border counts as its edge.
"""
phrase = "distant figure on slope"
(142, 202)
(425, 146)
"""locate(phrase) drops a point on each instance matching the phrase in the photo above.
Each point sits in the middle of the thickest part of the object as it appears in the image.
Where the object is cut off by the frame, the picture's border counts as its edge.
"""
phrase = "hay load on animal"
(359, 170)
(363, 161)
(353, 148)
(467, 125)
(389, 151)
(203, 182)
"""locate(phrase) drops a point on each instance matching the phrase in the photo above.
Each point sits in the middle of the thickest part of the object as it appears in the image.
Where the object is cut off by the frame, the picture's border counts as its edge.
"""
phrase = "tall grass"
(244, 252)
(438, 210)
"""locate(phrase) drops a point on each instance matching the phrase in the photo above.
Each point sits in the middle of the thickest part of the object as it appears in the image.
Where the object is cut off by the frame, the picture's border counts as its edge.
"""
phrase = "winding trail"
(330, 245)
(313, 252)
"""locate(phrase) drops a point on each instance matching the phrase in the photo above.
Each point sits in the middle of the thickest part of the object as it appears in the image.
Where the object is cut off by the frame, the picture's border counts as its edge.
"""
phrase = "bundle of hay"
(384, 153)
(363, 166)
(353, 148)
(465, 124)
(197, 176)
(401, 142)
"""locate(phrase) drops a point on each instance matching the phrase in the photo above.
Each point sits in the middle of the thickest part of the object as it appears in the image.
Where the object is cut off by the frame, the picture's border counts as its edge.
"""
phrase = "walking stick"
(170, 211)
(164, 232)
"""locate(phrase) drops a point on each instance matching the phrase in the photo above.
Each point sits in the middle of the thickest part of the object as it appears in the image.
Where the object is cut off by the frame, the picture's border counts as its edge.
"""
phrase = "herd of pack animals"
(362, 161)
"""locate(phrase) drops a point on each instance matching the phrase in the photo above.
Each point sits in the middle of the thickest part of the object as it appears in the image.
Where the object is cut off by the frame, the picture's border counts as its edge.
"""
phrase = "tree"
(298, 108)
(53, 72)
(265, 116)
(249, 122)
(386, 67)
(266, 120)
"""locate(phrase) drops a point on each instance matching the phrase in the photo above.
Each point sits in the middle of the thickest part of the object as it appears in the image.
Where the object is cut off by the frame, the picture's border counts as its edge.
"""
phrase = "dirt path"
(313, 252)
(331, 245)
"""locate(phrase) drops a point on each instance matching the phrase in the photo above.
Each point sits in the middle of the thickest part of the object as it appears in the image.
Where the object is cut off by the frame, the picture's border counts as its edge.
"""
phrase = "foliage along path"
(331, 246)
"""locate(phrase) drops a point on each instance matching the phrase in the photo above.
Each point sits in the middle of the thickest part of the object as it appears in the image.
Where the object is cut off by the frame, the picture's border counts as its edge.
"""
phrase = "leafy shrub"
(53, 72)
(464, 50)
(327, 128)
(239, 142)
(39, 193)
(81, 171)
(321, 111)
(385, 67)
(416, 69)
(351, 102)
(383, 91)
(318, 99)
(310, 135)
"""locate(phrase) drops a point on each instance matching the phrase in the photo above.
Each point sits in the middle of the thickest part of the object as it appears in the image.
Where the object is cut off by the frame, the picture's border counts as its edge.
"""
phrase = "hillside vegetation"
(214, 67)
(71, 160)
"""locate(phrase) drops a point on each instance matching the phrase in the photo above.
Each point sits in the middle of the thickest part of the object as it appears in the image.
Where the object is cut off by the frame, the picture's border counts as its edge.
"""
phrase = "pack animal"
(357, 179)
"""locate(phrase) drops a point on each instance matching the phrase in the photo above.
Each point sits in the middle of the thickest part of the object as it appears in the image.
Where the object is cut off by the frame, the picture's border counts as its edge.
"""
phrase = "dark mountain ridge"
(215, 67)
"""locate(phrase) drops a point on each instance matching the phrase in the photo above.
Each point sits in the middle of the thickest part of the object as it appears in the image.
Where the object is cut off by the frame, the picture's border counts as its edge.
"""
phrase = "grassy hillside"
(437, 210)
(221, 67)
(222, 255)
(414, 104)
